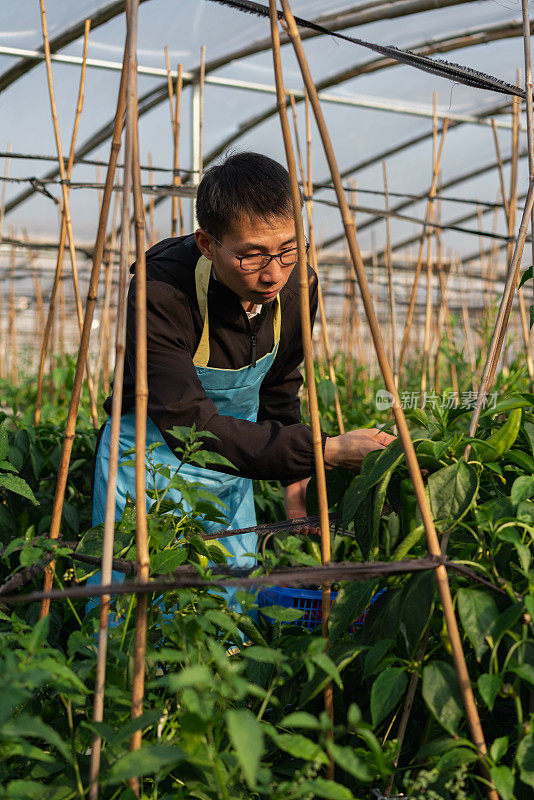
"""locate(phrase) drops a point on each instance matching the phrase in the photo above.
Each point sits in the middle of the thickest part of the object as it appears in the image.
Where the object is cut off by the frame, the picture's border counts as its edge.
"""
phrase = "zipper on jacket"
(253, 344)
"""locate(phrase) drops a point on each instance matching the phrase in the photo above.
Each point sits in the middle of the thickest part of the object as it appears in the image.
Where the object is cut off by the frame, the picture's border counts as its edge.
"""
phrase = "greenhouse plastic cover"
(359, 134)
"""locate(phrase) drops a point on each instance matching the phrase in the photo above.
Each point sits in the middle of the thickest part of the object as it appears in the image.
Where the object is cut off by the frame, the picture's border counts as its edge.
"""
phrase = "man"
(223, 350)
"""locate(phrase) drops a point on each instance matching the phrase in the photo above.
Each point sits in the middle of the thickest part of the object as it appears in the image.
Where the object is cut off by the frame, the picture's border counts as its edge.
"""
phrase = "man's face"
(244, 238)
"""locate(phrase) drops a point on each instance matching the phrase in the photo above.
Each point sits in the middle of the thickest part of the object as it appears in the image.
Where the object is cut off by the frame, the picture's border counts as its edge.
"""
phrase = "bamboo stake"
(13, 342)
(65, 190)
(313, 253)
(307, 344)
(141, 394)
(512, 205)
(116, 407)
(465, 320)
(428, 313)
(38, 292)
(66, 226)
(391, 288)
(355, 328)
(103, 352)
(506, 209)
(175, 124)
(413, 466)
(503, 315)
(428, 220)
(448, 326)
(86, 333)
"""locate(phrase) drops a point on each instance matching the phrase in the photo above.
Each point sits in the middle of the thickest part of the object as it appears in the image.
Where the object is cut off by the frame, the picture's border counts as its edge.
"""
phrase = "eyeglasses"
(257, 261)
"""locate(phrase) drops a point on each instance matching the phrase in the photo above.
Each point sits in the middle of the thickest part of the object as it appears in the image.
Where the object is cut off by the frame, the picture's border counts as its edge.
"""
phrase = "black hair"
(244, 185)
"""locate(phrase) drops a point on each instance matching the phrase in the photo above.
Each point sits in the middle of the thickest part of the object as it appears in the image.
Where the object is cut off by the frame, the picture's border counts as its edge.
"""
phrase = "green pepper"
(502, 440)
(521, 459)
(408, 506)
(411, 531)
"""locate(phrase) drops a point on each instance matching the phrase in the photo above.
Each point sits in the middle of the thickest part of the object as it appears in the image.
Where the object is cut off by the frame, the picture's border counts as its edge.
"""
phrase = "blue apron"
(235, 393)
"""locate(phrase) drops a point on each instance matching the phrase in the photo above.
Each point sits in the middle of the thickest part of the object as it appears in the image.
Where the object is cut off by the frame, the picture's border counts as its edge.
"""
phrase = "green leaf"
(301, 719)
(346, 758)
(281, 613)
(522, 489)
(525, 672)
(525, 759)
(246, 736)
(479, 614)
(4, 444)
(442, 695)
(527, 275)
(452, 490)
(375, 465)
(24, 790)
(15, 484)
(337, 481)
(298, 746)
(195, 677)
(324, 662)
(149, 759)
(489, 687)
(503, 780)
(330, 790)
(417, 608)
(498, 748)
(529, 431)
(375, 656)
(167, 560)
(386, 692)
(265, 655)
(351, 601)
(30, 555)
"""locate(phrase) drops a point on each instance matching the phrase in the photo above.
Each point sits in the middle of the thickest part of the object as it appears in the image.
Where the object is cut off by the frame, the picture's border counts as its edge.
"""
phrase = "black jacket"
(278, 445)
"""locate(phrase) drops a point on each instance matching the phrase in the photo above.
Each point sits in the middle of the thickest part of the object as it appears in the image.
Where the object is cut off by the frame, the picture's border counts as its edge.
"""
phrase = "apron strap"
(202, 279)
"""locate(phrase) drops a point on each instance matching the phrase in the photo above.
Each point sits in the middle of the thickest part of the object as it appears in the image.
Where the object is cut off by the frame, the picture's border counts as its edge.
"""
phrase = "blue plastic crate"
(306, 600)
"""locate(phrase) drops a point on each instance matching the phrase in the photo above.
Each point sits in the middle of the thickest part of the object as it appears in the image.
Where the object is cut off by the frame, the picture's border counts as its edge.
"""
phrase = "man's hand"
(349, 449)
(295, 499)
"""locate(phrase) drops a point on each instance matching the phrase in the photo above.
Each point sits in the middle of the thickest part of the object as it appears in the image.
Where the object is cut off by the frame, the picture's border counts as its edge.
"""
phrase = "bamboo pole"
(141, 394)
(512, 205)
(313, 254)
(428, 220)
(65, 217)
(175, 124)
(391, 287)
(102, 363)
(428, 314)
(506, 209)
(413, 466)
(448, 327)
(307, 344)
(116, 407)
(503, 315)
(70, 430)
(65, 191)
(465, 319)
(429, 233)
